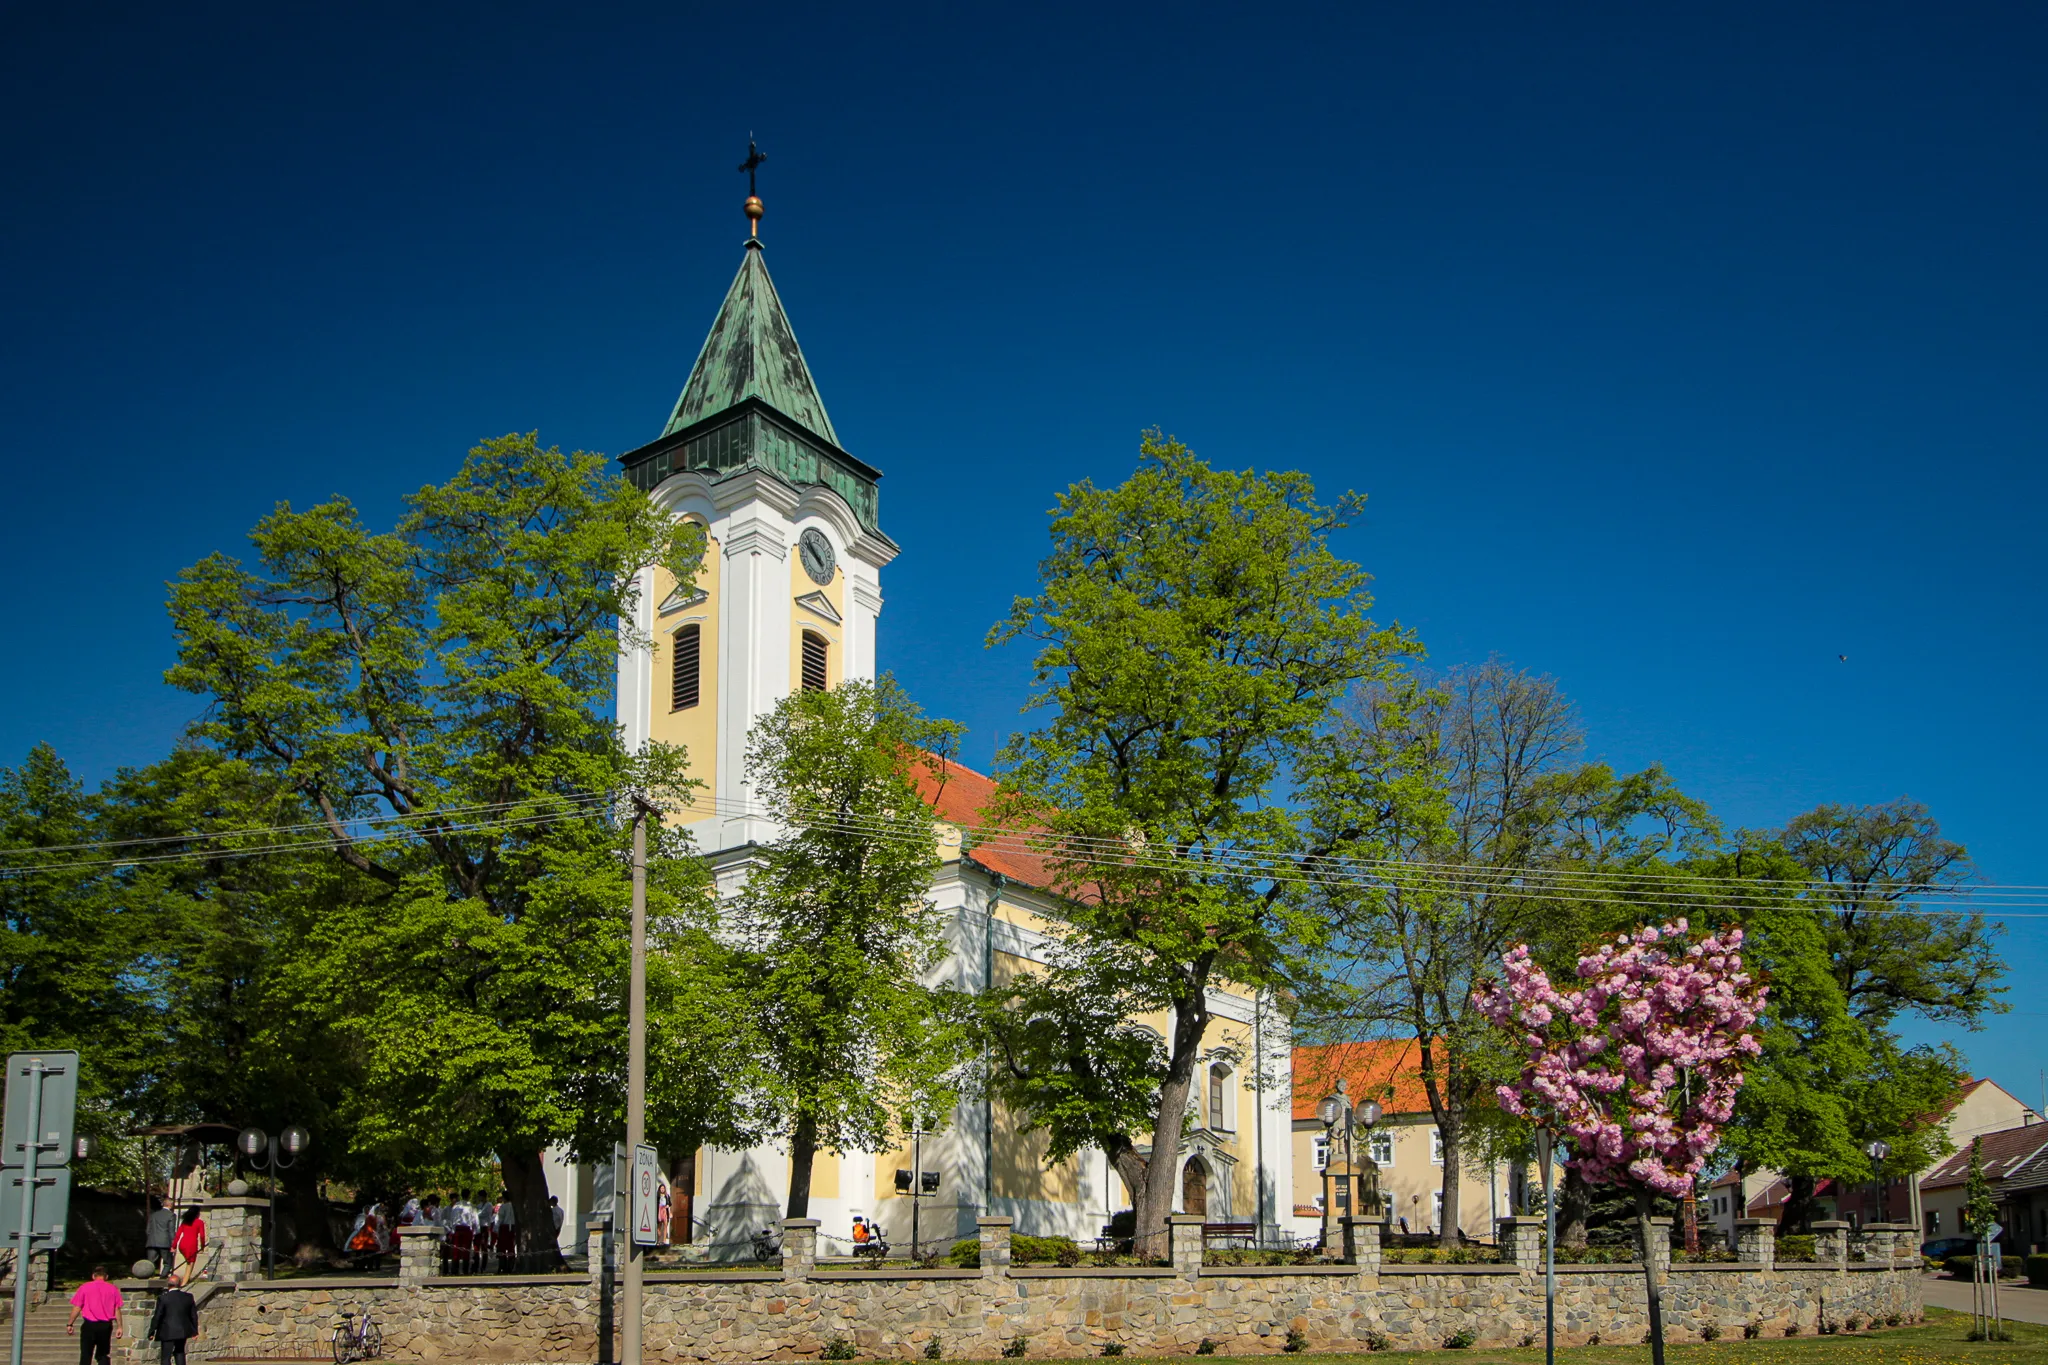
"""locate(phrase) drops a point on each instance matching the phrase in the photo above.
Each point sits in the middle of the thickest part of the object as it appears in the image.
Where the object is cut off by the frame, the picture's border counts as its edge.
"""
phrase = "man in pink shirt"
(98, 1303)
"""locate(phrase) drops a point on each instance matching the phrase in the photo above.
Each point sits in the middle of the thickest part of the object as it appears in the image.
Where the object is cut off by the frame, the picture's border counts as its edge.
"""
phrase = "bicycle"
(353, 1342)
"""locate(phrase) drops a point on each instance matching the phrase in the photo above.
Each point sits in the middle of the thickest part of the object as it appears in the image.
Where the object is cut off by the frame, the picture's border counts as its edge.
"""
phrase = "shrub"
(1460, 1339)
(1855, 1322)
(1297, 1340)
(934, 1351)
(1962, 1267)
(1791, 1329)
(1207, 1348)
(966, 1252)
(1069, 1256)
(1528, 1339)
(1828, 1328)
(1710, 1333)
(1112, 1348)
(1796, 1247)
(1016, 1348)
(2037, 1269)
(1593, 1340)
(1751, 1331)
(1376, 1341)
(839, 1348)
(1891, 1319)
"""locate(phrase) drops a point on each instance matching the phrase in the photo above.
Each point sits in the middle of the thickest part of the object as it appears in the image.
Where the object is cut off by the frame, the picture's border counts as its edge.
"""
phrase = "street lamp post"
(1336, 1109)
(1546, 1153)
(1877, 1152)
(273, 1154)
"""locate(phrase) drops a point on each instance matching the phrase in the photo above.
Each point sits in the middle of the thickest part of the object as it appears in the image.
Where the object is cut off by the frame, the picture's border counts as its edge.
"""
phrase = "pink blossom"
(1607, 1063)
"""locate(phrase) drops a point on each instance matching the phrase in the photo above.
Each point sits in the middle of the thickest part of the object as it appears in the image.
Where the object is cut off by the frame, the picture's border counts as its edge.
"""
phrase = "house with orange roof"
(1404, 1144)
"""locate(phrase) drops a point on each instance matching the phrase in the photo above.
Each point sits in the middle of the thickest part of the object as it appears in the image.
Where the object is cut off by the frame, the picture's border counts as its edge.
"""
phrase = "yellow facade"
(694, 728)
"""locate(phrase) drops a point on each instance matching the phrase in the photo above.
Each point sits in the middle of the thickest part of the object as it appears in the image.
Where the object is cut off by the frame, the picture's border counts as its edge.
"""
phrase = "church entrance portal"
(1194, 1187)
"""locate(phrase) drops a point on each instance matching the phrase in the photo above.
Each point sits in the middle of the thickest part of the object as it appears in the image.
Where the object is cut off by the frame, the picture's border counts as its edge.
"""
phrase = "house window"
(1934, 1222)
(814, 661)
(1320, 1144)
(683, 687)
(1218, 1092)
(1381, 1149)
(1436, 1146)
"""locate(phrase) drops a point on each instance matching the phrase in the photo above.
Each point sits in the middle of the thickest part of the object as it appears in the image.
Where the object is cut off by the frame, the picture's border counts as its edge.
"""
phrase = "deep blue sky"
(1680, 349)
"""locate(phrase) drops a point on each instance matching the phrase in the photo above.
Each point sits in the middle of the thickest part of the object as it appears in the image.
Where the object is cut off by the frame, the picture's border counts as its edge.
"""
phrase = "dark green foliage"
(933, 1350)
(2037, 1269)
(1112, 1348)
(1206, 1347)
(1796, 1247)
(1460, 1340)
(1024, 1250)
(1377, 1341)
(839, 1348)
(1710, 1333)
(1297, 1340)
(1015, 1348)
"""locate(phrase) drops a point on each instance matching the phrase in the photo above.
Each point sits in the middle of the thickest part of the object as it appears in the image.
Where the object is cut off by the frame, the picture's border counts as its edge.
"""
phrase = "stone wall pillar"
(1657, 1255)
(38, 1277)
(994, 1234)
(1900, 1243)
(1363, 1238)
(1184, 1242)
(799, 1248)
(1521, 1241)
(1756, 1241)
(594, 1237)
(234, 1238)
(419, 1253)
(1831, 1242)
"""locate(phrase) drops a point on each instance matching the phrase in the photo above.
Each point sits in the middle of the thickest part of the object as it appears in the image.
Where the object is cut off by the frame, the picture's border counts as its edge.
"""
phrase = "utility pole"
(636, 1084)
(23, 1257)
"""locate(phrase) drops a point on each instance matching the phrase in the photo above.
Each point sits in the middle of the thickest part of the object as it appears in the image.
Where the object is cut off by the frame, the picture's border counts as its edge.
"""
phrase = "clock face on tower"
(816, 552)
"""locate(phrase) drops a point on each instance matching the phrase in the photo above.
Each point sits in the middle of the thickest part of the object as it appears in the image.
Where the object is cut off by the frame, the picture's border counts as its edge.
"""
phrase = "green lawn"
(1938, 1341)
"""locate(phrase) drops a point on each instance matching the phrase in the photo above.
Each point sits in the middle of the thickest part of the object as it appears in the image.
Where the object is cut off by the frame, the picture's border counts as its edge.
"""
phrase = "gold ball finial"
(753, 207)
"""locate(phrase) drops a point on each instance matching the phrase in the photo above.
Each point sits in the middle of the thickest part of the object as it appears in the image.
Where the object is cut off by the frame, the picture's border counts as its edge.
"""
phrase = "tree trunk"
(1162, 1170)
(682, 1188)
(312, 1237)
(1645, 1231)
(1800, 1204)
(803, 1154)
(1448, 1234)
(1574, 1202)
(526, 1180)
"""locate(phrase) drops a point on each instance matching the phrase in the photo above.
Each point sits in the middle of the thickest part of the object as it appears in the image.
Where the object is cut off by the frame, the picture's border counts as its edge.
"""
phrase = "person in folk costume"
(362, 1234)
(460, 1221)
(663, 1208)
(508, 1228)
(486, 1226)
(409, 1215)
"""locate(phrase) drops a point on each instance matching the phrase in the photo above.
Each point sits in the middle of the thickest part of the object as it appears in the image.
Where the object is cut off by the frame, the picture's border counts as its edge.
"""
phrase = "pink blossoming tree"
(1638, 1065)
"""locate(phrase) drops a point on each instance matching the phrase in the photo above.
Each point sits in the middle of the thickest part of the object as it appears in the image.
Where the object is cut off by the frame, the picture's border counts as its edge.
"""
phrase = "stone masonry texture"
(796, 1311)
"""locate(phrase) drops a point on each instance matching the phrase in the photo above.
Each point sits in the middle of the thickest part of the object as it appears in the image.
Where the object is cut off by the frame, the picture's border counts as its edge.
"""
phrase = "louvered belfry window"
(683, 674)
(814, 661)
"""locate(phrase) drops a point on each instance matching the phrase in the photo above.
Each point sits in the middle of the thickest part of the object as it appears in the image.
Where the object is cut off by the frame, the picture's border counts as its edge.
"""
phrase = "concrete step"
(43, 1339)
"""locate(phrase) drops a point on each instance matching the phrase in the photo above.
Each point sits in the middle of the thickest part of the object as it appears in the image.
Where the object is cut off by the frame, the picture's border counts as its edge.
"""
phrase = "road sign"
(46, 1218)
(59, 1106)
(1992, 1233)
(646, 1196)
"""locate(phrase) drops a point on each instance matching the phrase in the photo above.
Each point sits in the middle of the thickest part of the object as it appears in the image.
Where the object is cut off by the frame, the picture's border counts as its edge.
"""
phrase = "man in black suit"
(175, 1322)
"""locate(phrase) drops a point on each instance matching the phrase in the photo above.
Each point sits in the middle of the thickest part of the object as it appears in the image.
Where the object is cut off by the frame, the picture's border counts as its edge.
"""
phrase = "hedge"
(966, 1252)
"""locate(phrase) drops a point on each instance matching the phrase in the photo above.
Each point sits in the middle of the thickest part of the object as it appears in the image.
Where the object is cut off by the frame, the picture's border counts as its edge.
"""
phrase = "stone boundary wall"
(1336, 1305)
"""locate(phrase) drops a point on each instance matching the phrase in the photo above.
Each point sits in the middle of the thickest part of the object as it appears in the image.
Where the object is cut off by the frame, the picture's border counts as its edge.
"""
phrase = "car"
(1941, 1248)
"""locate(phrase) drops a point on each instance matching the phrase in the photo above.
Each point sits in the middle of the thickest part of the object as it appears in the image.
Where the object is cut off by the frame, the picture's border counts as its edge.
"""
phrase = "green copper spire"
(752, 353)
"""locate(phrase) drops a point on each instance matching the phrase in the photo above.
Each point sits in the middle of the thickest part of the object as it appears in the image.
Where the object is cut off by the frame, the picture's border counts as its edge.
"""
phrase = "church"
(788, 597)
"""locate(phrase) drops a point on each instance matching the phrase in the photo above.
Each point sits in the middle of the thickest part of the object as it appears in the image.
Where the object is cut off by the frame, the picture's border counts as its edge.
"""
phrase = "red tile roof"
(959, 795)
(1385, 1069)
(2004, 1152)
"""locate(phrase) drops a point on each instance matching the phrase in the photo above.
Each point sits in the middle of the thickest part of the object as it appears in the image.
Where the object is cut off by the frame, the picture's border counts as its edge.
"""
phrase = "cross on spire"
(752, 207)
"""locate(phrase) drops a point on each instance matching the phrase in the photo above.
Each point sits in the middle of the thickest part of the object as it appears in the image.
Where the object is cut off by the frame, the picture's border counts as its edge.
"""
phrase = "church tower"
(791, 582)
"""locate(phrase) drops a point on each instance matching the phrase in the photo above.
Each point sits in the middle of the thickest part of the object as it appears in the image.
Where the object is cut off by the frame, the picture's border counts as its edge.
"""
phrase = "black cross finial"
(752, 164)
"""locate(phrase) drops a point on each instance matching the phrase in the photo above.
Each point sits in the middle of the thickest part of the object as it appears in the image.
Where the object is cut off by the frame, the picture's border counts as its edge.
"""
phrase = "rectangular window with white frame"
(1382, 1149)
(1321, 1145)
(1436, 1147)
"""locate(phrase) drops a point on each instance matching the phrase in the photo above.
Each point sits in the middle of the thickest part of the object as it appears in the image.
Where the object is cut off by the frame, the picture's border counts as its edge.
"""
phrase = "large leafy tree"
(437, 696)
(1193, 627)
(842, 935)
(1875, 865)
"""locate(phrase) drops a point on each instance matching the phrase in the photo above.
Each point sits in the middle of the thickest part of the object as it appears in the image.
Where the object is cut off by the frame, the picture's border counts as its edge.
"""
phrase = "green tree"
(1193, 628)
(439, 697)
(837, 914)
(1873, 863)
(1980, 1206)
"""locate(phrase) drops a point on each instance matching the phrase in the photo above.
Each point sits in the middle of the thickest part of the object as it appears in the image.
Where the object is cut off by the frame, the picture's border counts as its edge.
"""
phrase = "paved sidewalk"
(2018, 1302)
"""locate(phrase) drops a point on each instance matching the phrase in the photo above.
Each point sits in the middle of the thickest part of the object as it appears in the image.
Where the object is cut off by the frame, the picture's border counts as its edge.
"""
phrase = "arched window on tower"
(815, 649)
(684, 688)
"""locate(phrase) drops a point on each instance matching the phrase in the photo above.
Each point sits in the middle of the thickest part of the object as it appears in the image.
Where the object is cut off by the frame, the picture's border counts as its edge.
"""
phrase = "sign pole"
(636, 1082)
(32, 1148)
(1546, 1154)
